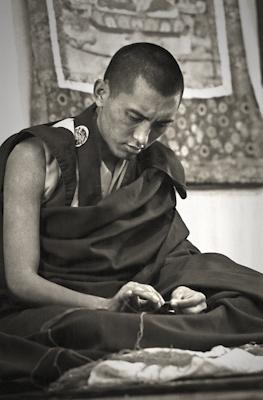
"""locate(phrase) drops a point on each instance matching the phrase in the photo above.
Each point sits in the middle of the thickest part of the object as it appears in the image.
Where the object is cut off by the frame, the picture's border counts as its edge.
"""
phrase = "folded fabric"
(164, 365)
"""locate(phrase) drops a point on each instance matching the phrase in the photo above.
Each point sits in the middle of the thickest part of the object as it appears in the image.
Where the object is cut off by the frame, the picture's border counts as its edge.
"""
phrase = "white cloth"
(162, 365)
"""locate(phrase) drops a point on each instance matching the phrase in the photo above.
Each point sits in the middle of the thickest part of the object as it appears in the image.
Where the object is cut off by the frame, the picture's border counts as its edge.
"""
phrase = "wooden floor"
(233, 388)
(222, 395)
(253, 394)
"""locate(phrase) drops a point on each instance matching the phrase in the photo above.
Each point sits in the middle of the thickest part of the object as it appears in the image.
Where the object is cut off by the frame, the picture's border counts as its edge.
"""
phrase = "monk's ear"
(101, 92)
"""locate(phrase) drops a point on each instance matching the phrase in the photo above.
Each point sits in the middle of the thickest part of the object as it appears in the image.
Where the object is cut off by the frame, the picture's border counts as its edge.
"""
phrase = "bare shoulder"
(25, 167)
(30, 150)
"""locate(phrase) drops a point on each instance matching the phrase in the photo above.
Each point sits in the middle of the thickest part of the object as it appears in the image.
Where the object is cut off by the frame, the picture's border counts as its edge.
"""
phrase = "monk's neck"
(106, 155)
(109, 159)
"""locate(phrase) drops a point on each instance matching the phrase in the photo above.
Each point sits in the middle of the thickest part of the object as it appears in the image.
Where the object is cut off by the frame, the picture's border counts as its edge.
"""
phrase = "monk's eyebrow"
(138, 114)
(165, 121)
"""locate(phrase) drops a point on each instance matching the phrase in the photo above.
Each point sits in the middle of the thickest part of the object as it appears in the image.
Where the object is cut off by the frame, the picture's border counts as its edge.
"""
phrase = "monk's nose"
(141, 134)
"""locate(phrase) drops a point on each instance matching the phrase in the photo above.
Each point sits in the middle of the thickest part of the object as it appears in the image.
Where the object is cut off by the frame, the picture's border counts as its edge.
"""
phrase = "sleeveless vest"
(145, 205)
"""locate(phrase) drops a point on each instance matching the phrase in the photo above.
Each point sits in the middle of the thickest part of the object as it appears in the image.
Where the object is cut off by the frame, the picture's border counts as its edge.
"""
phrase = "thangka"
(85, 35)
(218, 139)
(248, 14)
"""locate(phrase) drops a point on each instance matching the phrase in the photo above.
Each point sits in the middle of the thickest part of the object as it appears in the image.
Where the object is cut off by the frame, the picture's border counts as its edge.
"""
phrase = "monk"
(92, 238)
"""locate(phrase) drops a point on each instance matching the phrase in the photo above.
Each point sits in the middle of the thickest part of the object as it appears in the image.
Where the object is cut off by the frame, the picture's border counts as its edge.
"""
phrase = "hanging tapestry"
(218, 129)
(251, 14)
(85, 34)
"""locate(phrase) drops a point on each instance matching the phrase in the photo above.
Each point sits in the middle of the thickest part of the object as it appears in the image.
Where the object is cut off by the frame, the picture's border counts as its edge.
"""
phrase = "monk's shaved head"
(153, 63)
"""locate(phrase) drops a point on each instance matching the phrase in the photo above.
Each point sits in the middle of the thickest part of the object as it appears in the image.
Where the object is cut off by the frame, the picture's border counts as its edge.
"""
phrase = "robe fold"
(134, 233)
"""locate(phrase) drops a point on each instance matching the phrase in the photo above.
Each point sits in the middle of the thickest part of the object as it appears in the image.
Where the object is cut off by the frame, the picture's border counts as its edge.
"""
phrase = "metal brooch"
(81, 134)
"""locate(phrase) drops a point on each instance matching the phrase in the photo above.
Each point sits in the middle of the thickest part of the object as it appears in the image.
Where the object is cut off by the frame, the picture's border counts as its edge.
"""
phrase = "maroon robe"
(135, 233)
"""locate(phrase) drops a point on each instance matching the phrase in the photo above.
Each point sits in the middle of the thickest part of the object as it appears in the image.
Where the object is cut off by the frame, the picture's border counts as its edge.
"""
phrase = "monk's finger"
(155, 292)
(191, 302)
(186, 297)
(184, 292)
(150, 295)
(194, 310)
(144, 292)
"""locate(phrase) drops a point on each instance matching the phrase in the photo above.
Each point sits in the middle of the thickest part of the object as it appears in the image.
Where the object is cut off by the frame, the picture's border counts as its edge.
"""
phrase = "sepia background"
(219, 129)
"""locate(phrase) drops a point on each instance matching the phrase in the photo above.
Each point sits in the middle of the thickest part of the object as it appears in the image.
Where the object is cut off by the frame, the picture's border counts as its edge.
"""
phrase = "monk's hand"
(187, 301)
(134, 296)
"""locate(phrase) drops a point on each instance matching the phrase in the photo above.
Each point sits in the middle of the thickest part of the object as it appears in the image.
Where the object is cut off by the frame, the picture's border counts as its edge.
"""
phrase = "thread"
(140, 332)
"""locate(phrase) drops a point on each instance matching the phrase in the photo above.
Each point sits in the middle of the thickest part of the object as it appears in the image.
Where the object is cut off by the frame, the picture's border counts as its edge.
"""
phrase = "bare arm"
(23, 189)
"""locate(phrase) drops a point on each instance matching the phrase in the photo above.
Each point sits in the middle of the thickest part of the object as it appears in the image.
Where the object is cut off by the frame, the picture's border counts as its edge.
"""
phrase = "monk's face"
(130, 122)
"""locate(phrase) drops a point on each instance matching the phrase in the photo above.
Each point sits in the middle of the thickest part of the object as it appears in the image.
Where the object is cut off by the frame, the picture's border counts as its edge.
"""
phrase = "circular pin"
(81, 134)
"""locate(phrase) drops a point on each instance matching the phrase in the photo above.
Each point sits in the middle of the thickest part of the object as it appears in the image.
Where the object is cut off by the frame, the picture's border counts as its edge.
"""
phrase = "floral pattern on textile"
(219, 140)
(85, 35)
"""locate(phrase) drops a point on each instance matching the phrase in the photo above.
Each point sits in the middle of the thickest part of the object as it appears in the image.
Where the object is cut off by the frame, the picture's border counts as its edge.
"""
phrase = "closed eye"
(162, 124)
(135, 116)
